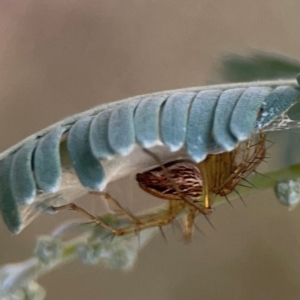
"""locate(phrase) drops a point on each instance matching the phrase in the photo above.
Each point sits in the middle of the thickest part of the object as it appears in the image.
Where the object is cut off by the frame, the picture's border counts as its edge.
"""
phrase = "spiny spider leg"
(147, 221)
(250, 162)
(72, 206)
(189, 224)
(123, 211)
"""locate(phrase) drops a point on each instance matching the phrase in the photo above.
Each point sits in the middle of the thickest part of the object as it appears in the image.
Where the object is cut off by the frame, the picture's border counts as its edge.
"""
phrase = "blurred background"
(61, 57)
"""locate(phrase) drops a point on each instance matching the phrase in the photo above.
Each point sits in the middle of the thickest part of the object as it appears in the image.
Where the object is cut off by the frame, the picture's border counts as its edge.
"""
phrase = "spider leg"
(122, 210)
(189, 224)
(80, 210)
(146, 221)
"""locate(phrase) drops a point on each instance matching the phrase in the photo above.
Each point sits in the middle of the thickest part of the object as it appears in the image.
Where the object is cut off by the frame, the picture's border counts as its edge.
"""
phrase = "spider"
(188, 187)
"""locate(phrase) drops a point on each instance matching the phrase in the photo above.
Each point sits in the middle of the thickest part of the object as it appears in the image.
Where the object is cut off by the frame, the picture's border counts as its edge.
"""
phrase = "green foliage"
(258, 66)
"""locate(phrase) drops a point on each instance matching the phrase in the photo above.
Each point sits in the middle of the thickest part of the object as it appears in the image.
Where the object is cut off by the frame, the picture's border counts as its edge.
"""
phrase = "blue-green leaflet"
(85, 148)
